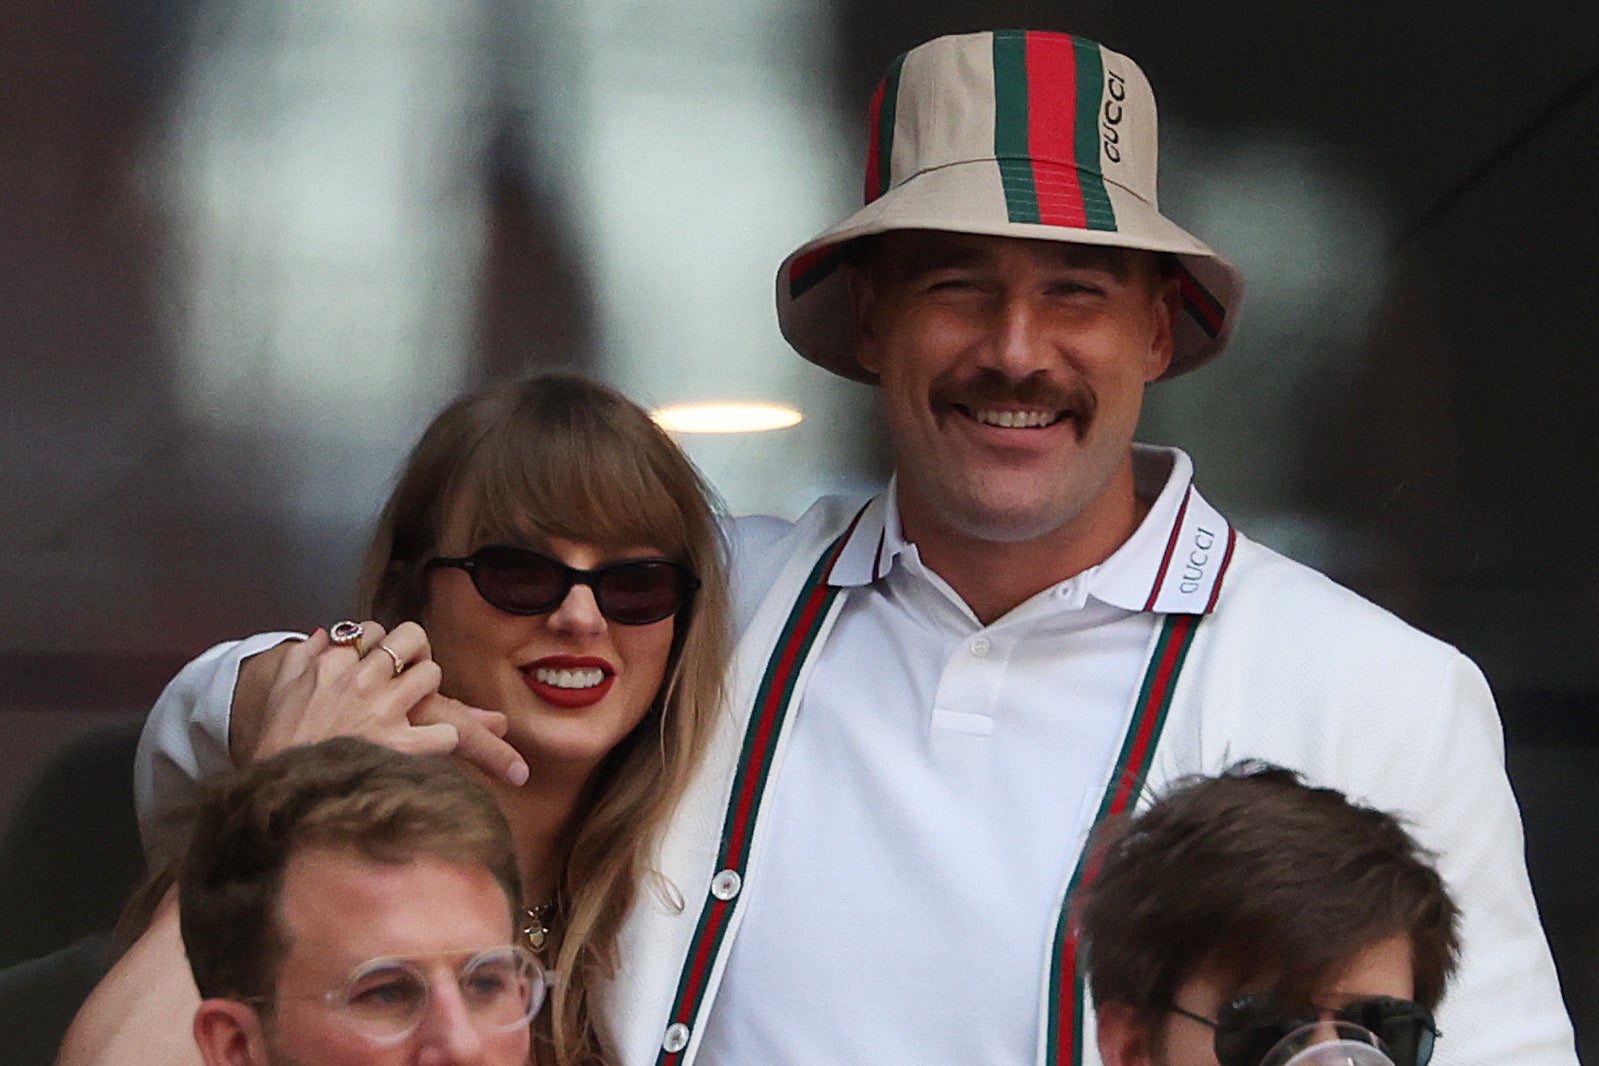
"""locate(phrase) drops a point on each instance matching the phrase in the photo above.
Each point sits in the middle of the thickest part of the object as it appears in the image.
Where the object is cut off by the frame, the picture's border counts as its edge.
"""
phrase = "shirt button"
(676, 1038)
(726, 884)
(980, 646)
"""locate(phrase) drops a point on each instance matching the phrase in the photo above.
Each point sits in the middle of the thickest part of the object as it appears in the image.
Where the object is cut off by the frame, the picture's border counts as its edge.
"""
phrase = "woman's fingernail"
(517, 774)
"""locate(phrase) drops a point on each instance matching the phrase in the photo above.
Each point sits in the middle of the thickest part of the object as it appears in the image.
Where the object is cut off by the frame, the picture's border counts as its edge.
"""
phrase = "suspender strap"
(775, 696)
(1064, 1034)
(772, 701)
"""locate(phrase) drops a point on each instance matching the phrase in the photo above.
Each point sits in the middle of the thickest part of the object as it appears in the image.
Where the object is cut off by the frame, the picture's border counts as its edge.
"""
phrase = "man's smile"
(1011, 418)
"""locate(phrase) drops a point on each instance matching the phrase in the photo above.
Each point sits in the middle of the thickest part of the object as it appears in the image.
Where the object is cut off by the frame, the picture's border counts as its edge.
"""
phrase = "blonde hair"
(560, 456)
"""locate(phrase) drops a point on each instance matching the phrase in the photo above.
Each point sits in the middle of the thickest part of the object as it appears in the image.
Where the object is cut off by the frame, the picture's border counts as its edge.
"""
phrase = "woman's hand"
(384, 689)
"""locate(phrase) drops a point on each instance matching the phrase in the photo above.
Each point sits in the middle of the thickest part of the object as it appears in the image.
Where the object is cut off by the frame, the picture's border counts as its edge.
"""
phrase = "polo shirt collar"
(1172, 564)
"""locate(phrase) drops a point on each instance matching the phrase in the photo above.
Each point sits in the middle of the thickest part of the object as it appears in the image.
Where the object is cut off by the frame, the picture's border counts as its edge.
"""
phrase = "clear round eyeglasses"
(385, 999)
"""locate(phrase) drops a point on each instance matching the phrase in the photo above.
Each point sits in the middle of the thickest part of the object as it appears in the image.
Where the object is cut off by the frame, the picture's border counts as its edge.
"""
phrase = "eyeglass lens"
(633, 592)
(387, 998)
(1248, 1028)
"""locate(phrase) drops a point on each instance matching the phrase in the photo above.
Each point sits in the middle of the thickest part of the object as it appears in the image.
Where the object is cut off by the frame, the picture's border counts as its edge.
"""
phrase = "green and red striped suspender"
(1063, 1042)
(772, 703)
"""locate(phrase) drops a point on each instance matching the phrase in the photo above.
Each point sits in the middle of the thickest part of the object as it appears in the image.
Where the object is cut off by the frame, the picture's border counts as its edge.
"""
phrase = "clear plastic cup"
(1330, 1043)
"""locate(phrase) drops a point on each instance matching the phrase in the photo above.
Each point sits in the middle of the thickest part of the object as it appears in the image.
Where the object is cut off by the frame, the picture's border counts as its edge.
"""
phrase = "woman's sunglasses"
(634, 592)
(1247, 1028)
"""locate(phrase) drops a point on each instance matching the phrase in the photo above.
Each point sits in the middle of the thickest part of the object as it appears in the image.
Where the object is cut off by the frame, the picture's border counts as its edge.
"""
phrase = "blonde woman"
(549, 561)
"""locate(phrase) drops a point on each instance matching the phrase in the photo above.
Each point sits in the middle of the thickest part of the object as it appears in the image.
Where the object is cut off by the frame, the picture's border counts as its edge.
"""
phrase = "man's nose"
(448, 1035)
(1017, 348)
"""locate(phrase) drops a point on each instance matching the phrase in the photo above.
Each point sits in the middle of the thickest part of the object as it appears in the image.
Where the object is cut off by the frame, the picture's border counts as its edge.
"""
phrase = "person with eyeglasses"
(549, 570)
(343, 904)
(1249, 919)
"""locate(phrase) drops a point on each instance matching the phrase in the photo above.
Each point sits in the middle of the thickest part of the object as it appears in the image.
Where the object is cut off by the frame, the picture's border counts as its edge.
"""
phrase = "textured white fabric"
(939, 779)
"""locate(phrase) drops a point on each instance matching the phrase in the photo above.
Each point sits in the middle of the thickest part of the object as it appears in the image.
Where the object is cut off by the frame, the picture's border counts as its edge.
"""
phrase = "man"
(938, 694)
(1240, 909)
(341, 905)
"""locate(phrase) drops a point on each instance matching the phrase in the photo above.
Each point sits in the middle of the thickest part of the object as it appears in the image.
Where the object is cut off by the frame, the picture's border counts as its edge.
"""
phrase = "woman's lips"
(569, 681)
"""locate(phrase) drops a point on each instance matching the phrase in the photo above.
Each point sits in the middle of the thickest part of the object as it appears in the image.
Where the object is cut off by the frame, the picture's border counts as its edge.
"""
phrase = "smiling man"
(940, 691)
(943, 689)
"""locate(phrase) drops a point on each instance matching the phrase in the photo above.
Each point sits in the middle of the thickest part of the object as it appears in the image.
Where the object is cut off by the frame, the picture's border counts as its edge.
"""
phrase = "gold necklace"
(536, 923)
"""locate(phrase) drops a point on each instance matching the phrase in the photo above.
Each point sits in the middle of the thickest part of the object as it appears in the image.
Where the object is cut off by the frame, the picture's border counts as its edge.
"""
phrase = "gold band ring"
(399, 663)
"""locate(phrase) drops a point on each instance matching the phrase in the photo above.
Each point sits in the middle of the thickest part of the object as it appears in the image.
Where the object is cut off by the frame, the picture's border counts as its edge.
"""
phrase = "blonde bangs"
(575, 472)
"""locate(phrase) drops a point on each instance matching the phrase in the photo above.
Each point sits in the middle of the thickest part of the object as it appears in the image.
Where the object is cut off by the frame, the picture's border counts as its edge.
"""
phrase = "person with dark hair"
(1249, 910)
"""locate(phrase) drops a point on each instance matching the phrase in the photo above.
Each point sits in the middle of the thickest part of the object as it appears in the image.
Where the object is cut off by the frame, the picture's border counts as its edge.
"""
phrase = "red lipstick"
(570, 681)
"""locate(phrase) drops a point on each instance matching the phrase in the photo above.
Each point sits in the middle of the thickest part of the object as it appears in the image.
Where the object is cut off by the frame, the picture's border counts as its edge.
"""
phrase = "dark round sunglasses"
(634, 592)
(1248, 1027)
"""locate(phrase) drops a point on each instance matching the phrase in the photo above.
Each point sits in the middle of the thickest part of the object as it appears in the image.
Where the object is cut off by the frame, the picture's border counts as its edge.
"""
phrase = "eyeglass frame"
(689, 582)
(338, 1000)
(1303, 1014)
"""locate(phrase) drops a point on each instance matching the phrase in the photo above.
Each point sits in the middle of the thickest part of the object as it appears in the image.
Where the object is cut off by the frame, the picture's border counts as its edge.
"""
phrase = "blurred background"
(248, 248)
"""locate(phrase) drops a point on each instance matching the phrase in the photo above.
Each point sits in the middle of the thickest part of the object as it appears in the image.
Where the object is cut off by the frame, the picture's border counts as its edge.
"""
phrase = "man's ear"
(1123, 1038)
(1168, 305)
(229, 1034)
(863, 302)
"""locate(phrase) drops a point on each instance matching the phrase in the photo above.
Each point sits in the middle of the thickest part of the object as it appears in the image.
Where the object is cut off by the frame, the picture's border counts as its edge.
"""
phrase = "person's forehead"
(1382, 968)
(339, 909)
(914, 250)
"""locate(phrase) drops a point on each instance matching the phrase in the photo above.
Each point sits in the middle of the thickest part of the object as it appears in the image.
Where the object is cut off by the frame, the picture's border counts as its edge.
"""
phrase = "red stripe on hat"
(873, 144)
(1198, 301)
(1051, 128)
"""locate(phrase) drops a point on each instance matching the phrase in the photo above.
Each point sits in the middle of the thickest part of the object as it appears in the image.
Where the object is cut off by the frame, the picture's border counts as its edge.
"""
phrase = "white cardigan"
(1289, 668)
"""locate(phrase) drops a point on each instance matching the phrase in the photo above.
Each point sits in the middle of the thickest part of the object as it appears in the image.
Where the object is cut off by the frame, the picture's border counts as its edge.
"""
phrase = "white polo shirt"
(941, 779)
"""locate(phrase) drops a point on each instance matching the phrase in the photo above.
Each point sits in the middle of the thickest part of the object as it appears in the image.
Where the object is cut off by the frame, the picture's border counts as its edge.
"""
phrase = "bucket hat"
(1009, 133)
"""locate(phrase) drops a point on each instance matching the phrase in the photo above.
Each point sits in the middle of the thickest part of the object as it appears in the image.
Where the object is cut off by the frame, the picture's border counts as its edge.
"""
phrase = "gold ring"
(399, 663)
(347, 634)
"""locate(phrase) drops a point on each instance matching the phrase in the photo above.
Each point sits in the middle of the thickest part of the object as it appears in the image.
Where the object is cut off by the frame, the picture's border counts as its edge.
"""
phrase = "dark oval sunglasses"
(1248, 1027)
(634, 592)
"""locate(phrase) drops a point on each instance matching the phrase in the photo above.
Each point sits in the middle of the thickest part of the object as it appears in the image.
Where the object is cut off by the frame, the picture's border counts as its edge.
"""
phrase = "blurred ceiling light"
(726, 417)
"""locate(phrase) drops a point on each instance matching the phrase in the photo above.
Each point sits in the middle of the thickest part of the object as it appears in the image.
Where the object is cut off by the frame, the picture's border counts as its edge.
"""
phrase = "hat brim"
(813, 301)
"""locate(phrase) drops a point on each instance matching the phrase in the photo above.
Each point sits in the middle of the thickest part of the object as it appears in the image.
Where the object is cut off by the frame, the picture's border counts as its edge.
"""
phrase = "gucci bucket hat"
(1009, 133)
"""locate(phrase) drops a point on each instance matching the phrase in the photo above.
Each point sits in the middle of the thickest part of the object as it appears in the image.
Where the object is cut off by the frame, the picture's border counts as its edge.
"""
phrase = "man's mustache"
(990, 388)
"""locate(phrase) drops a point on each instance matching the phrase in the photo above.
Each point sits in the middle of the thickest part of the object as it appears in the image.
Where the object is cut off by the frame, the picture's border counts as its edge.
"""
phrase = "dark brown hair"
(1255, 875)
(559, 456)
(342, 793)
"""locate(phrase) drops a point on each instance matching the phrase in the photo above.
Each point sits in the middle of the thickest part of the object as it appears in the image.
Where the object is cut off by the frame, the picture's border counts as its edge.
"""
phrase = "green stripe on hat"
(1097, 210)
(1010, 125)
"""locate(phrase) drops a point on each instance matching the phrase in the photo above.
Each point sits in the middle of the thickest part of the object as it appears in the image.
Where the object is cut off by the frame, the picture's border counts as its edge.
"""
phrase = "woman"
(548, 557)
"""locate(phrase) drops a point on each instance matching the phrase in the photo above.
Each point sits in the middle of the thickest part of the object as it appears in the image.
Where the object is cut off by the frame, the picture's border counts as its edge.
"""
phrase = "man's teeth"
(586, 677)
(1014, 419)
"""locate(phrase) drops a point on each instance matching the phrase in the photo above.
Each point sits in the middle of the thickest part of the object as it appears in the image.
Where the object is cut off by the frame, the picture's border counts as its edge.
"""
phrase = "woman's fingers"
(441, 738)
(480, 736)
(323, 690)
(389, 695)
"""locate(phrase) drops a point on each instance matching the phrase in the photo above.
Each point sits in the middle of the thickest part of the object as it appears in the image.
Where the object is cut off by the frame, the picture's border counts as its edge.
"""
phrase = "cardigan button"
(676, 1038)
(726, 885)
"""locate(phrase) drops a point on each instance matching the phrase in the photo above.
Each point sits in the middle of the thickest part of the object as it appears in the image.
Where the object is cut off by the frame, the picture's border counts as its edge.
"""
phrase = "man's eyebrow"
(1114, 261)
(940, 255)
